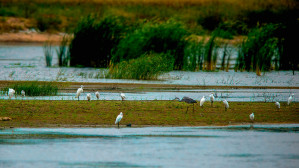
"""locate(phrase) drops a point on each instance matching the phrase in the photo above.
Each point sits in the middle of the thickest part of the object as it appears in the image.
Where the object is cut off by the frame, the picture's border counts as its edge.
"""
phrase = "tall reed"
(34, 88)
(48, 52)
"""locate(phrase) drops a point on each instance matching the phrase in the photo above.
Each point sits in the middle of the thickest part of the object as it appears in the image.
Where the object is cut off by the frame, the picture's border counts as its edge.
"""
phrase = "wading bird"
(97, 95)
(202, 101)
(11, 93)
(290, 99)
(225, 104)
(187, 100)
(277, 105)
(123, 96)
(79, 91)
(88, 96)
(251, 116)
(118, 118)
(212, 99)
(23, 93)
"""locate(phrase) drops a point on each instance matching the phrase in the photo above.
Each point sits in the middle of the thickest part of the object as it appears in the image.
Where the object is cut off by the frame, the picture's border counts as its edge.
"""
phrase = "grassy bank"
(139, 113)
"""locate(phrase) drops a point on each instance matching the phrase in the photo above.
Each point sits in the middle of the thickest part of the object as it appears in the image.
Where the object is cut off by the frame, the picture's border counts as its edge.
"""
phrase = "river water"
(264, 146)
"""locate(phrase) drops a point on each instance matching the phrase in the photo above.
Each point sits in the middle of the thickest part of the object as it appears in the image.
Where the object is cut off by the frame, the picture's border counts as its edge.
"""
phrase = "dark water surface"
(233, 146)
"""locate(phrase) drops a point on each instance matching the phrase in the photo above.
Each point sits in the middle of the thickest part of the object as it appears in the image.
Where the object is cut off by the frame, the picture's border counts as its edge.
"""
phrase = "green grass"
(42, 113)
(33, 88)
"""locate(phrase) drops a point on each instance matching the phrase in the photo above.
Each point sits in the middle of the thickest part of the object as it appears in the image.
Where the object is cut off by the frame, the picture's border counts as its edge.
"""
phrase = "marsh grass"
(63, 52)
(41, 113)
(34, 88)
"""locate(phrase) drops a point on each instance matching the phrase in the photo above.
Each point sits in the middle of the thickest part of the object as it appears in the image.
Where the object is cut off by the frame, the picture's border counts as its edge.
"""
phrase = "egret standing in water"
(23, 93)
(118, 118)
(97, 95)
(212, 99)
(123, 96)
(11, 93)
(79, 91)
(88, 96)
(290, 99)
(202, 101)
(225, 104)
(251, 116)
(277, 104)
(187, 100)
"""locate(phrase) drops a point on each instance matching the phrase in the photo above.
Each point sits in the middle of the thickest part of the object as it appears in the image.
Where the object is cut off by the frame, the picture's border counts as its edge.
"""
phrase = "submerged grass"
(34, 88)
(43, 113)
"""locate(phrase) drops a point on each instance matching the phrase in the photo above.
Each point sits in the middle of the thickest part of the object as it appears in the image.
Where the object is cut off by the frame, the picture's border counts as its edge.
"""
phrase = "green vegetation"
(93, 41)
(41, 113)
(63, 52)
(34, 88)
(148, 66)
(48, 52)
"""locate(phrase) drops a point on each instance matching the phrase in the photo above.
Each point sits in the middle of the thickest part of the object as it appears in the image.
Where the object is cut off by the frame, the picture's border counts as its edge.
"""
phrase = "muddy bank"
(39, 113)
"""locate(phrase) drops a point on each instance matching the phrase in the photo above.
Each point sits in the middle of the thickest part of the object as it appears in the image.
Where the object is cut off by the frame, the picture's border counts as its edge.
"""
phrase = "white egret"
(212, 98)
(202, 101)
(290, 99)
(123, 96)
(23, 93)
(11, 93)
(225, 104)
(277, 105)
(187, 100)
(118, 118)
(251, 116)
(88, 96)
(97, 95)
(79, 91)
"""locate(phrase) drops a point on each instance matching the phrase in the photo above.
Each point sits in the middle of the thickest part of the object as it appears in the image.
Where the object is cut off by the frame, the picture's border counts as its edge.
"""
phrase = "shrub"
(167, 37)
(93, 41)
(148, 66)
(48, 22)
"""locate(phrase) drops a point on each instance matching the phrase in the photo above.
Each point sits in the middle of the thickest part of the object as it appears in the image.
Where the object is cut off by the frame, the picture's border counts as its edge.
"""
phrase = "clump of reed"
(48, 52)
(257, 52)
(148, 66)
(34, 88)
(63, 52)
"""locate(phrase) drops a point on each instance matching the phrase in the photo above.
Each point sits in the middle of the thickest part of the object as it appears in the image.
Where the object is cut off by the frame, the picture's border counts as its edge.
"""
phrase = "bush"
(93, 41)
(48, 22)
(168, 37)
(145, 67)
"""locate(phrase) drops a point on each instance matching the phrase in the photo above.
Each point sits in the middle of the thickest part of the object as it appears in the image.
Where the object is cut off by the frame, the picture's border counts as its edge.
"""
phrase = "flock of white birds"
(11, 93)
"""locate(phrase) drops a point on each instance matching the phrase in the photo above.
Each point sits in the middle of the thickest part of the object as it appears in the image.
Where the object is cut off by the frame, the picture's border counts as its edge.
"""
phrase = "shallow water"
(239, 95)
(233, 146)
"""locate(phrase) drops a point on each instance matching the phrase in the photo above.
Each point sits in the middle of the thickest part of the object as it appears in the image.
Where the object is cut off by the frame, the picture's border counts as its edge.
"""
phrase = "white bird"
(23, 93)
(79, 91)
(88, 96)
(202, 101)
(277, 105)
(225, 104)
(97, 95)
(290, 99)
(11, 93)
(251, 116)
(212, 98)
(118, 118)
(123, 96)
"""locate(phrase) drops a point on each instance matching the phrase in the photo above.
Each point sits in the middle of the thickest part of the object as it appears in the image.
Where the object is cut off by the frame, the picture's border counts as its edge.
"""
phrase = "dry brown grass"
(40, 113)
